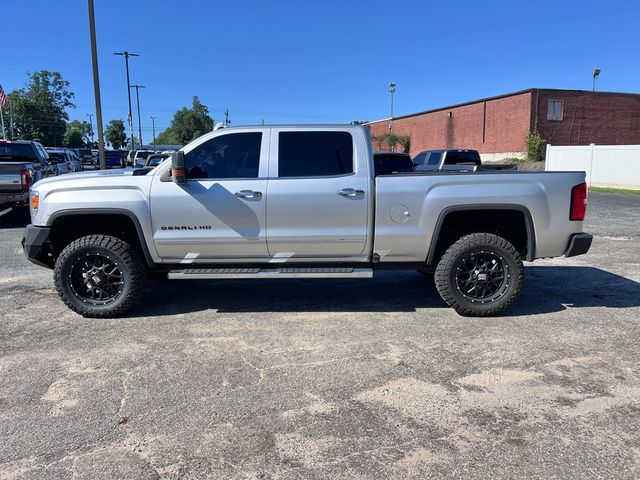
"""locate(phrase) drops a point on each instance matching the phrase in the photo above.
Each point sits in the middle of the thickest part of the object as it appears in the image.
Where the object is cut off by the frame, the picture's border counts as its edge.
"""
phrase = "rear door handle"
(351, 192)
(248, 194)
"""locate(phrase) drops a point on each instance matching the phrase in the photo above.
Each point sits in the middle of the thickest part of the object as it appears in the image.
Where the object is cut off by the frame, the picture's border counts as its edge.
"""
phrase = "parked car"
(112, 159)
(138, 157)
(204, 215)
(462, 160)
(22, 163)
(66, 156)
(86, 156)
(434, 160)
(387, 163)
(155, 159)
(61, 161)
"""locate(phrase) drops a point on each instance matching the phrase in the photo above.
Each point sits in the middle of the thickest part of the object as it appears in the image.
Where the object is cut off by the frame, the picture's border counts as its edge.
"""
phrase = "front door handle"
(351, 192)
(250, 194)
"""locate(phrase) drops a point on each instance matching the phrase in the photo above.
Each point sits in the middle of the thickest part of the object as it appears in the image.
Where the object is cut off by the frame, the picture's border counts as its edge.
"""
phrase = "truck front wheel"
(99, 276)
(480, 275)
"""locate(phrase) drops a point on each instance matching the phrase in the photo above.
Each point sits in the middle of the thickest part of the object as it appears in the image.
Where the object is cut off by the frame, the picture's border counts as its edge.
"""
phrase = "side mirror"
(177, 167)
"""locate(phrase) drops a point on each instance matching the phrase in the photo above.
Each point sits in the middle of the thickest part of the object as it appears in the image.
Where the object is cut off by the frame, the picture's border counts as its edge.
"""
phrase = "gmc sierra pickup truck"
(298, 202)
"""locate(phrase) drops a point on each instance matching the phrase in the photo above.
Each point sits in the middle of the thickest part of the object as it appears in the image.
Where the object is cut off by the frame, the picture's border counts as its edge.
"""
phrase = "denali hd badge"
(187, 227)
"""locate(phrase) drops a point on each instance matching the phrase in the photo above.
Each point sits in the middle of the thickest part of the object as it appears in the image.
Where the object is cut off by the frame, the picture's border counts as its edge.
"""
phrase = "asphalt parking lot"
(329, 379)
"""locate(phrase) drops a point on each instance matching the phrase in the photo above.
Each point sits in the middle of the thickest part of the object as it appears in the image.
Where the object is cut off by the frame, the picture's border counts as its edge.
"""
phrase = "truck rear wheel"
(99, 276)
(480, 275)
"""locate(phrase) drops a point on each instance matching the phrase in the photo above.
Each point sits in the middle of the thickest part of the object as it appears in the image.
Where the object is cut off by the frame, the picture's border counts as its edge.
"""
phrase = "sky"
(324, 61)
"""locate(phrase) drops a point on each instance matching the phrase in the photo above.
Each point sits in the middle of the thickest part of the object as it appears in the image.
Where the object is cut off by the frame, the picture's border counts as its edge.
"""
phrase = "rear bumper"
(36, 243)
(579, 244)
(18, 198)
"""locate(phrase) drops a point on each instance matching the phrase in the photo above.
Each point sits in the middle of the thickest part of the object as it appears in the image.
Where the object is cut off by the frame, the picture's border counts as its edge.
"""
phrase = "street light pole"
(126, 56)
(96, 83)
(392, 89)
(90, 115)
(138, 87)
(153, 129)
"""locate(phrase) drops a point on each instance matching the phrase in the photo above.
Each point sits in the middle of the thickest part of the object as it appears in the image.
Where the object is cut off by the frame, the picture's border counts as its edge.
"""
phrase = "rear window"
(315, 154)
(455, 157)
(57, 156)
(386, 164)
(17, 152)
(142, 154)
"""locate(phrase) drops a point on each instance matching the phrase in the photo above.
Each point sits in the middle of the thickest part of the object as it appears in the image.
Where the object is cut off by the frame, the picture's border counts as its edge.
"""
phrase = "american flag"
(3, 97)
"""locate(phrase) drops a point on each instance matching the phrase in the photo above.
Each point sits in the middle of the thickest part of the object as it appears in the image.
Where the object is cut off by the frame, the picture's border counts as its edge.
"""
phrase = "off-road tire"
(125, 257)
(446, 275)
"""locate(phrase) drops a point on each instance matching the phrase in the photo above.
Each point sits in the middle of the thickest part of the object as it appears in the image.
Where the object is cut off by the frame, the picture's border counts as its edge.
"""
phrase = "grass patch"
(626, 191)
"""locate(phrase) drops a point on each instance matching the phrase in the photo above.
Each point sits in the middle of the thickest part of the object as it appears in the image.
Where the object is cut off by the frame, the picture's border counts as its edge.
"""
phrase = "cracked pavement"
(329, 379)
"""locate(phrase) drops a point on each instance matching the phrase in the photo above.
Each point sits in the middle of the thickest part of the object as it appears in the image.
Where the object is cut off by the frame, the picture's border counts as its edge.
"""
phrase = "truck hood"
(69, 177)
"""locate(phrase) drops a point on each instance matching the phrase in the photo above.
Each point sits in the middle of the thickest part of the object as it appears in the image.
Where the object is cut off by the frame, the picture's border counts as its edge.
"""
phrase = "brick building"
(497, 126)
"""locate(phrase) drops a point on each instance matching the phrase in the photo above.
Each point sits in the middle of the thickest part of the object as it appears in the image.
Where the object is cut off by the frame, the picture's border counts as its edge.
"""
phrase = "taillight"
(25, 178)
(578, 202)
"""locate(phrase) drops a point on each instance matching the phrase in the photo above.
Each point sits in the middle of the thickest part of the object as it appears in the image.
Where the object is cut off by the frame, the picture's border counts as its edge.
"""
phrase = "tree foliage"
(115, 134)
(73, 138)
(391, 141)
(77, 135)
(536, 147)
(187, 124)
(39, 109)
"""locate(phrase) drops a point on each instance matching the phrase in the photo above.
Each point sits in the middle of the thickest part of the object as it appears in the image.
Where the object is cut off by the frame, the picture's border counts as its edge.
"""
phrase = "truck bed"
(412, 206)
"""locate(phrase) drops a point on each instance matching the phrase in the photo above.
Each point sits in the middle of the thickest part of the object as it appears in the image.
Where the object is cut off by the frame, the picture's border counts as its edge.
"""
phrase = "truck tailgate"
(10, 181)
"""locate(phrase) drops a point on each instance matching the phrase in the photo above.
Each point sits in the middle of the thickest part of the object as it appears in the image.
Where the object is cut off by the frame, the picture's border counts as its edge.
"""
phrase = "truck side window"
(235, 155)
(434, 159)
(314, 154)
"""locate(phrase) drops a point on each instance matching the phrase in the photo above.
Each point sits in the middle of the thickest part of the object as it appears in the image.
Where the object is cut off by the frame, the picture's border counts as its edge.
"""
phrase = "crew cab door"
(219, 212)
(318, 197)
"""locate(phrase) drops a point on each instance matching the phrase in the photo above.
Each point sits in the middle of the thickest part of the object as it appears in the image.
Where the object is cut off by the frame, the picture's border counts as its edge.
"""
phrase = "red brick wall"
(600, 118)
(507, 124)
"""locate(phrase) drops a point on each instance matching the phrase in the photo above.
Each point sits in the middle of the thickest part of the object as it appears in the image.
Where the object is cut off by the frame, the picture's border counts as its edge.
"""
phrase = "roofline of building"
(496, 97)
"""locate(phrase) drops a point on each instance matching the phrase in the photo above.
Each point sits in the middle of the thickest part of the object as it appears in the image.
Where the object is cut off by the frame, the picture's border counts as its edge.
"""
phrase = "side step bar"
(238, 273)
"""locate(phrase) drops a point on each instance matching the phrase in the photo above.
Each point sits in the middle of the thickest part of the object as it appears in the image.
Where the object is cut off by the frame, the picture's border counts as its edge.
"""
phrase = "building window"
(554, 110)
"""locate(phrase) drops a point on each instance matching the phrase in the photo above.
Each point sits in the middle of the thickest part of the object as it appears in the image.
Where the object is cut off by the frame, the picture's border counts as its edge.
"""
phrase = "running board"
(239, 273)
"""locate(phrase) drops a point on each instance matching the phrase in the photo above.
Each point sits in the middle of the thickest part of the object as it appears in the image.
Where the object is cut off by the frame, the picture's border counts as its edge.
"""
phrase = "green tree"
(73, 138)
(115, 134)
(84, 128)
(187, 124)
(39, 109)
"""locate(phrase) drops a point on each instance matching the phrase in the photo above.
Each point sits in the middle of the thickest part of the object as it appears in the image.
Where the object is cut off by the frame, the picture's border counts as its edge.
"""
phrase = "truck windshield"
(17, 152)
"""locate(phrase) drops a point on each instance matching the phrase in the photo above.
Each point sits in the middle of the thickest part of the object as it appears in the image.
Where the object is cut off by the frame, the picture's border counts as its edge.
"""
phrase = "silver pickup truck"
(298, 202)
(22, 163)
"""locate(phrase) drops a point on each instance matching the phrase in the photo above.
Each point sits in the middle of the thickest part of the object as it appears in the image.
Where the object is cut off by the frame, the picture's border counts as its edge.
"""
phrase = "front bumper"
(579, 244)
(36, 243)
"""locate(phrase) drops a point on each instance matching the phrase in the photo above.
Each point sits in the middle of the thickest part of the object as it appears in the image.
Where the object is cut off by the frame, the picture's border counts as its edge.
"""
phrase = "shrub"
(536, 147)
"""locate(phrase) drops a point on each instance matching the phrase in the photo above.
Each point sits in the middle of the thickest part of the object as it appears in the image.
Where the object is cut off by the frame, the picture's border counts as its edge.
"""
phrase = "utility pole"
(226, 118)
(11, 120)
(90, 115)
(138, 87)
(96, 83)
(392, 89)
(126, 56)
(153, 129)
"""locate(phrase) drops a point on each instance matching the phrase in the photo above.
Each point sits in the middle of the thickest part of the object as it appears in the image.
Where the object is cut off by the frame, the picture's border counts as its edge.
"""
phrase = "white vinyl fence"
(606, 165)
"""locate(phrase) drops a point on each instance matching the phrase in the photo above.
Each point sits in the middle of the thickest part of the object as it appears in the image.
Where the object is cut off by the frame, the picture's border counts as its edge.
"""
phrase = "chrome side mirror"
(177, 167)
